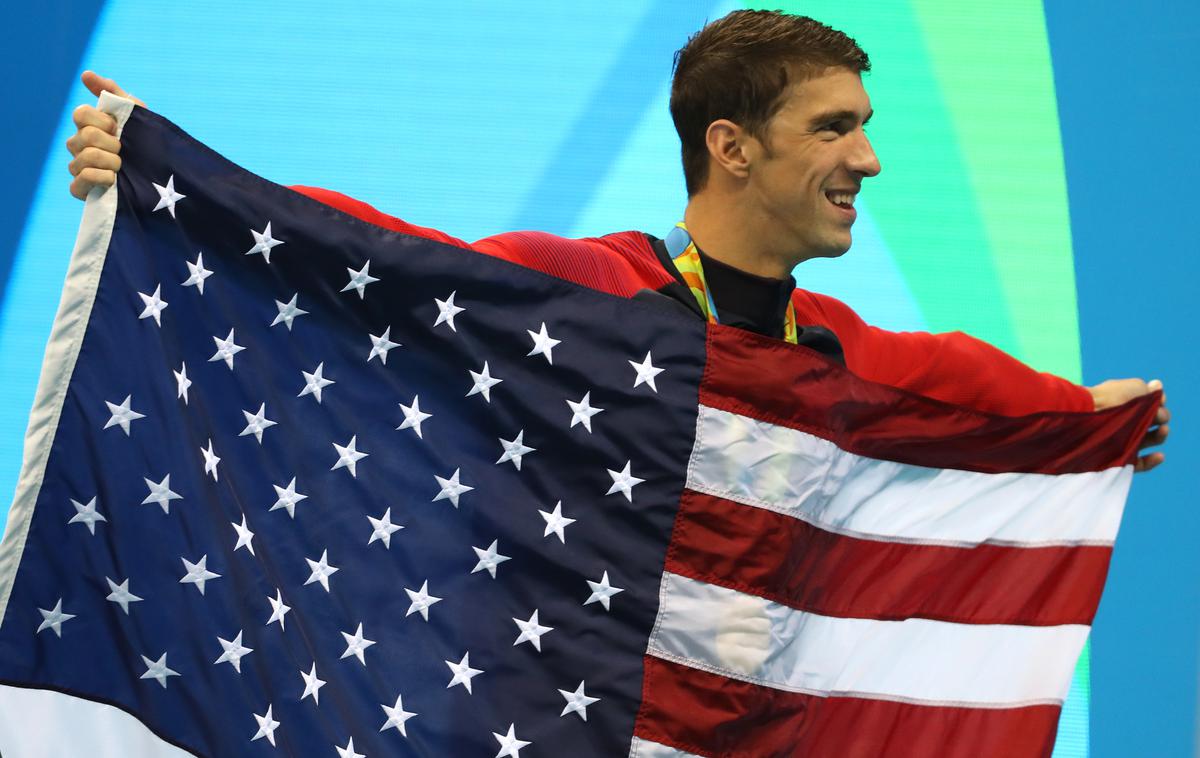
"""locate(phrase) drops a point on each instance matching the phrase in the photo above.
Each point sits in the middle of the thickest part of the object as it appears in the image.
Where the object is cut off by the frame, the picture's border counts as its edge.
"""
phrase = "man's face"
(813, 158)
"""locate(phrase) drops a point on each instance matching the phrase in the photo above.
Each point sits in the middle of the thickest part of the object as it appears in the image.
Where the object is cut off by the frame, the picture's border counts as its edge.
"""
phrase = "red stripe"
(799, 388)
(763, 553)
(710, 715)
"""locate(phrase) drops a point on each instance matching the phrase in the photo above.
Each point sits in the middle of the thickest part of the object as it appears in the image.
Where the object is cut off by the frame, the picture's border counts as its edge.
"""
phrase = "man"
(770, 109)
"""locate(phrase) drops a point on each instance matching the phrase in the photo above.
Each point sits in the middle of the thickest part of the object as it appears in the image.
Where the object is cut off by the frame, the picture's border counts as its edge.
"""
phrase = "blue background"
(1127, 91)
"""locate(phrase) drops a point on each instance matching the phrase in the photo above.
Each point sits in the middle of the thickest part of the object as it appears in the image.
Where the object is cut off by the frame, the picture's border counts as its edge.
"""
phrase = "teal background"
(1035, 193)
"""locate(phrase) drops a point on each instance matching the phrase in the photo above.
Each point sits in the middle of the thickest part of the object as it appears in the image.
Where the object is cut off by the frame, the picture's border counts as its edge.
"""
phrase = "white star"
(287, 497)
(161, 493)
(543, 344)
(381, 345)
(315, 382)
(158, 670)
(451, 488)
(447, 310)
(154, 305)
(53, 619)
(278, 609)
(182, 382)
(167, 196)
(348, 751)
(556, 522)
(197, 273)
(121, 595)
(210, 460)
(421, 600)
(197, 573)
(582, 412)
(257, 422)
(509, 744)
(321, 570)
(645, 372)
(383, 528)
(233, 652)
(489, 559)
(515, 449)
(86, 514)
(245, 536)
(602, 592)
(263, 242)
(463, 673)
(396, 716)
(266, 727)
(355, 645)
(312, 685)
(122, 414)
(531, 631)
(483, 383)
(226, 349)
(359, 280)
(287, 312)
(348, 456)
(577, 702)
(623, 482)
(413, 416)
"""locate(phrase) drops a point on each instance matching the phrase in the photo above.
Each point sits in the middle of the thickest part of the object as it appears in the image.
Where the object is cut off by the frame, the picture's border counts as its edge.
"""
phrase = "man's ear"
(727, 146)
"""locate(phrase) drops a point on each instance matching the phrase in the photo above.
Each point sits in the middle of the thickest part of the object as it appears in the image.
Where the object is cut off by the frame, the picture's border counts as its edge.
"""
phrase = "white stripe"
(42, 723)
(812, 479)
(647, 749)
(66, 336)
(935, 662)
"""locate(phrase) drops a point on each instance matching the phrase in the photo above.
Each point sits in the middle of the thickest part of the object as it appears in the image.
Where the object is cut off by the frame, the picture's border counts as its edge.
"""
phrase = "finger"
(1162, 416)
(1155, 436)
(89, 178)
(1148, 462)
(87, 115)
(91, 136)
(94, 157)
(97, 84)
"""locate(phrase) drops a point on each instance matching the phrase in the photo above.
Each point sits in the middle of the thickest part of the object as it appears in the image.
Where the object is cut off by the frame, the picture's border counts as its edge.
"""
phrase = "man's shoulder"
(621, 263)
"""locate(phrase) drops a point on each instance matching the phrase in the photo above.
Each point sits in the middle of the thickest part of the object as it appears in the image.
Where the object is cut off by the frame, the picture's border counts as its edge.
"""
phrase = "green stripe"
(993, 67)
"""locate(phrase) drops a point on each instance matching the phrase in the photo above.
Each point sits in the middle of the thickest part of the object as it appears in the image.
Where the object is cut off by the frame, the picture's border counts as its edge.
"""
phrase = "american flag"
(298, 485)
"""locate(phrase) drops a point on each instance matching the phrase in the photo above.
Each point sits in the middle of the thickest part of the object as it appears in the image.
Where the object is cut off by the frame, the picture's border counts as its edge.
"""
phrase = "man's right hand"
(94, 146)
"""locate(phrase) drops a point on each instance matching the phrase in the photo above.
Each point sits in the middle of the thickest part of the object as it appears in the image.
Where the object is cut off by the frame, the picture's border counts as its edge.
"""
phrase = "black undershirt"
(755, 303)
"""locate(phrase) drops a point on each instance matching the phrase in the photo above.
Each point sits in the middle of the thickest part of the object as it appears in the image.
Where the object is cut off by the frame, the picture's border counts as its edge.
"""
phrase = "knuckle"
(81, 113)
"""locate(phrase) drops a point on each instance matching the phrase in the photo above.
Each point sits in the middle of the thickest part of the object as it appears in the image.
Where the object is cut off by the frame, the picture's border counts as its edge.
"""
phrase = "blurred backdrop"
(1037, 192)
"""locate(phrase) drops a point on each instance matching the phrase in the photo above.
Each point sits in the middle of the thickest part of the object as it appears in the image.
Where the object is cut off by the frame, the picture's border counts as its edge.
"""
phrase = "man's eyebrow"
(842, 115)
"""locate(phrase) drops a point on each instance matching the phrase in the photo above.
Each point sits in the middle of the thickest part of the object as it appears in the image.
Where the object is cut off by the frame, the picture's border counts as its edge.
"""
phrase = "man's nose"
(863, 160)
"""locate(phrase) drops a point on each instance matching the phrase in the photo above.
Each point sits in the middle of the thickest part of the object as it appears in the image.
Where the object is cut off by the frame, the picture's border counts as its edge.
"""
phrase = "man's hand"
(1115, 392)
(94, 146)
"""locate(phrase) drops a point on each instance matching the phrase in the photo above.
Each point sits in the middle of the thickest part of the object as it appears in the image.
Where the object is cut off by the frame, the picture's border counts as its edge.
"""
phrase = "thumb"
(97, 84)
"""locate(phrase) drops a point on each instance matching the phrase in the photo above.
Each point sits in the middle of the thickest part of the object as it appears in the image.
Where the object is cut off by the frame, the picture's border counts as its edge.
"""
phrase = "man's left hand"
(1116, 392)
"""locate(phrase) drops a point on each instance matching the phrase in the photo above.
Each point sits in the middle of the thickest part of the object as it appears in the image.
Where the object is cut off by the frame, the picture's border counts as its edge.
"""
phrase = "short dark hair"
(738, 68)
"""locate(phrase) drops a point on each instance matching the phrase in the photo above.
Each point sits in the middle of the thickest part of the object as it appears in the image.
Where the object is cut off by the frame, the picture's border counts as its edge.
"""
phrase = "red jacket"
(953, 367)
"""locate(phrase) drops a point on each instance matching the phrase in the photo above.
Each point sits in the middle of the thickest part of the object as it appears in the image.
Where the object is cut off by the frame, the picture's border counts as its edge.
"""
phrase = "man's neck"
(725, 232)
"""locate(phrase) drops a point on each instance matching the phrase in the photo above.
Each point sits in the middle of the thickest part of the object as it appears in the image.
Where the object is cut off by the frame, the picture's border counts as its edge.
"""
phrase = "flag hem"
(58, 363)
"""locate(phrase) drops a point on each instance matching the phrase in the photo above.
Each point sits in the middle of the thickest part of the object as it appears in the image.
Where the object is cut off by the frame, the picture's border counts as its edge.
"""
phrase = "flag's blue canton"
(210, 707)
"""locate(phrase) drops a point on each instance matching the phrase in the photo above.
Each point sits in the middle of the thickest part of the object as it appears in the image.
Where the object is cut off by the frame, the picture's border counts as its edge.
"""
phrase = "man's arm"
(960, 369)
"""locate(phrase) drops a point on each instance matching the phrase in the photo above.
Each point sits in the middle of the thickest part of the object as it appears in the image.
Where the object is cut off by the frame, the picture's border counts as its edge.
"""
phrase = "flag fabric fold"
(295, 484)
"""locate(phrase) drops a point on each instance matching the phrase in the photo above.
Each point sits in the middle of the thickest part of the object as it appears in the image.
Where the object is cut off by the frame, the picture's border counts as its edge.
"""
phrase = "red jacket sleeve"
(620, 264)
(371, 215)
(953, 367)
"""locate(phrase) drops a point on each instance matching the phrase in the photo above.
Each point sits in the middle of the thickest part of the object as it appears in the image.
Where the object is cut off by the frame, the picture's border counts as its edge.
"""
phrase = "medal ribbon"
(686, 257)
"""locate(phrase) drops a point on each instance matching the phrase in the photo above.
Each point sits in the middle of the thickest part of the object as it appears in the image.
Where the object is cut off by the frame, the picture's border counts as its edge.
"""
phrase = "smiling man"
(771, 113)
